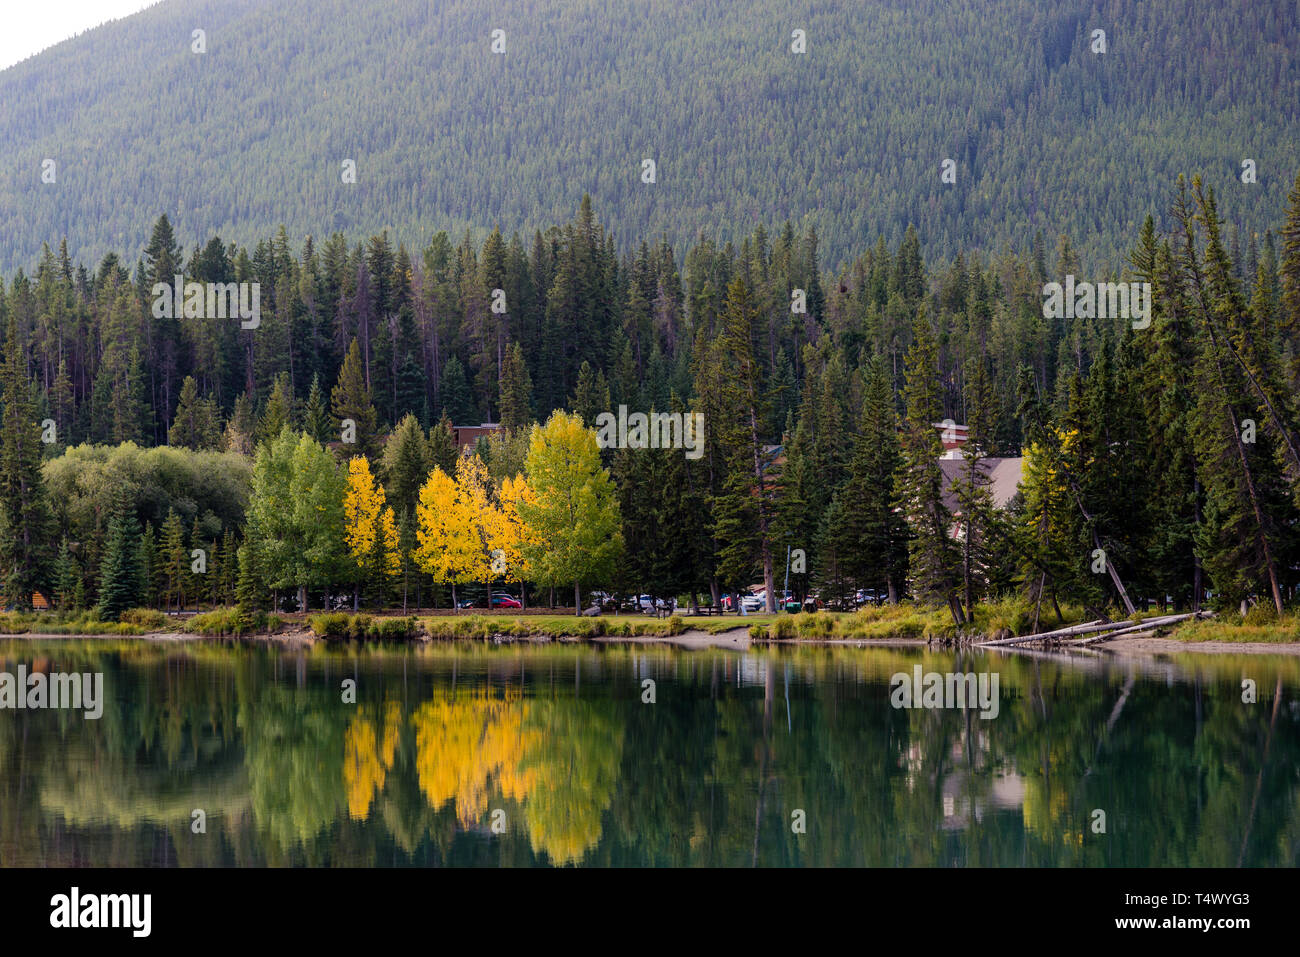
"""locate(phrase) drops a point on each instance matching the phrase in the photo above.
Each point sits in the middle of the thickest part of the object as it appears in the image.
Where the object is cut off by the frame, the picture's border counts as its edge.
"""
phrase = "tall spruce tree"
(26, 527)
(933, 559)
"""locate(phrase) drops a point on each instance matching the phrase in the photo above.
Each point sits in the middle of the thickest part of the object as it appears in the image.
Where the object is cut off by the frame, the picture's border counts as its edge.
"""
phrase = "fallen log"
(1111, 629)
(1082, 629)
(1150, 623)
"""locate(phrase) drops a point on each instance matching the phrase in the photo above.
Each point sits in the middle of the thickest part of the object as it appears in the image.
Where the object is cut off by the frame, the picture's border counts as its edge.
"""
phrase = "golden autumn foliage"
(369, 528)
(470, 746)
(514, 537)
(447, 542)
(558, 763)
(368, 757)
(464, 534)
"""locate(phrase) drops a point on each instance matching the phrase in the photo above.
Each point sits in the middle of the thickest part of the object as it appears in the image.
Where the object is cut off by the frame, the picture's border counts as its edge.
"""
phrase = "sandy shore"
(735, 639)
(1164, 646)
(296, 638)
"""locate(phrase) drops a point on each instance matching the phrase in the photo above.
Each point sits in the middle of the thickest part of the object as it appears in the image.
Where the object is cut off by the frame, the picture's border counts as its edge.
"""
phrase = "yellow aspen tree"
(485, 517)
(448, 544)
(514, 532)
(369, 529)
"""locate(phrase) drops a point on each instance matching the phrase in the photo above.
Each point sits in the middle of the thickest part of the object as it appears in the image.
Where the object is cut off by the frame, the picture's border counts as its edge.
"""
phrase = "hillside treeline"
(1160, 456)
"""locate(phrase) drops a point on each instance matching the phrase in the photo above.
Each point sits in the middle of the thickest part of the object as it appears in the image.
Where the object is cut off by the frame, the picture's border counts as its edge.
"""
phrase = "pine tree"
(241, 430)
(26, 525)
(279, 409)
(196, 582)
(315, 416)
(744, 510)
(871, 534)
(149, 570)
(456, 402)
(1289, 278)
(590, 395)
(197, 423)
(172, 557)
(67, 576)
(933, 560)
(119, 571)
(352, 404)
(516, 390)
(406, 463)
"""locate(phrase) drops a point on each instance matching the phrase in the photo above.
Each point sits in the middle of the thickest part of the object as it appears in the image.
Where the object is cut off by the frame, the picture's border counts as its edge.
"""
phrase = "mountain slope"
(849, 136)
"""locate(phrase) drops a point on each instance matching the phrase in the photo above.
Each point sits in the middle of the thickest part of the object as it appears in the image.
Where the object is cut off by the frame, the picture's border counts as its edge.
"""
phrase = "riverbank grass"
(1260, 624)
(135, 621)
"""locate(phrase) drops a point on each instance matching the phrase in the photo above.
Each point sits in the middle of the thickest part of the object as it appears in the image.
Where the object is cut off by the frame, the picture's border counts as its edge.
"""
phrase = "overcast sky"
(32, 25)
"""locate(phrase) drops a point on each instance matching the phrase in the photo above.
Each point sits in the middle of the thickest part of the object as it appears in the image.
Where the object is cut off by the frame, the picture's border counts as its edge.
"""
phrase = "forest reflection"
(551, 755)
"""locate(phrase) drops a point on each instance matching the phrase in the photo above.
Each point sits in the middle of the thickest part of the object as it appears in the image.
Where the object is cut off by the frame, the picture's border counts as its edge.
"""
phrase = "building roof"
(1003, 474)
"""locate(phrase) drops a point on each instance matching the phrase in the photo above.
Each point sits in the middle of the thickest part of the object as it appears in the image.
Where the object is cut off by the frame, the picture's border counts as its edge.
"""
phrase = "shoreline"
(735, 639)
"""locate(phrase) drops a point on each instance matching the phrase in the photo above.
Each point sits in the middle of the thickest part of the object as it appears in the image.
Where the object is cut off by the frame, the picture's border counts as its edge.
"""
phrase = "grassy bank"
(231, 622)
(997, 619)
(136, 621)
(559, 626)
(1260, 625)
(912, 622)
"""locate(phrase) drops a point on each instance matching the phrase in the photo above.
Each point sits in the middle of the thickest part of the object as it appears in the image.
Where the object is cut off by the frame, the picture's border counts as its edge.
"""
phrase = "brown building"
(467, 435)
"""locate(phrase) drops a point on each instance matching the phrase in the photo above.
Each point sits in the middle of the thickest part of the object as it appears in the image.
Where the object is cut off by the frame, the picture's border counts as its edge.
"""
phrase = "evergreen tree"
(590, 395)
(67, 578)
(241, 430)
(174, 563)
(351, 404)
(119, 571)
(26, 532)
(149, 567)
(197, 423)
(744, 510)
(933, 560)
(315, 416)
(456, 402)
(279, 409)
(870, 533)
(442, 446)
(407, 462)
(516, 390)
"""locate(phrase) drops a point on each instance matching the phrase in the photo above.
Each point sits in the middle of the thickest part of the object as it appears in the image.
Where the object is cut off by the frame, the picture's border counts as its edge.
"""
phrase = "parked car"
(503, 600)
(751, 603)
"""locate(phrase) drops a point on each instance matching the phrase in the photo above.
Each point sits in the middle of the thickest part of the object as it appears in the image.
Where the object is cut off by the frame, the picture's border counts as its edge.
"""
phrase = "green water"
(543, 755)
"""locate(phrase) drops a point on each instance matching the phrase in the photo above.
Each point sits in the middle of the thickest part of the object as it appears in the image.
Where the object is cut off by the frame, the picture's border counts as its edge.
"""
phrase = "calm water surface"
(548, 755)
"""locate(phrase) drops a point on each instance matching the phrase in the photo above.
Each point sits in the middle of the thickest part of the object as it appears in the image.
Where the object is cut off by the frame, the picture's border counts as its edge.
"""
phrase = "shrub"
(333, 625)
(341, 626)
(1260, 613)
(234, 621)
(784, 628)
(816, 624)
(144, 617)
(392, 629)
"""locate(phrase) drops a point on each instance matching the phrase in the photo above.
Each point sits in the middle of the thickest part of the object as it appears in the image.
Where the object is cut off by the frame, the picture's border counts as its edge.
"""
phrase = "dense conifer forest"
(314, 451)
(848, 138)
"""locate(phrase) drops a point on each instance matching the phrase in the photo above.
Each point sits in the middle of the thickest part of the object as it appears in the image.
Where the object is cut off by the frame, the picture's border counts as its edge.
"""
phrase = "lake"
(635, 755)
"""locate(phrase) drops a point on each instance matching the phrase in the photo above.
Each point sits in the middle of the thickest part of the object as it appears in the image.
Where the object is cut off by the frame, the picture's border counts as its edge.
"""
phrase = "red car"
(502, 600)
